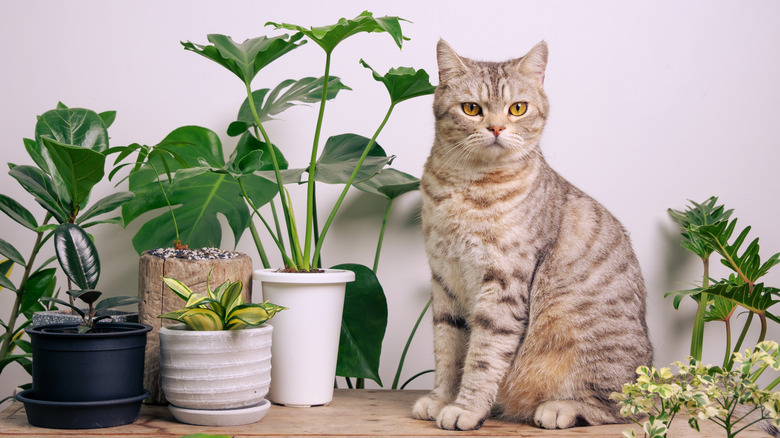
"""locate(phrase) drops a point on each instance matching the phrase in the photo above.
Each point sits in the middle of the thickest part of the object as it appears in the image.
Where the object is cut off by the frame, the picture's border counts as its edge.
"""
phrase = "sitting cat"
(538, 299)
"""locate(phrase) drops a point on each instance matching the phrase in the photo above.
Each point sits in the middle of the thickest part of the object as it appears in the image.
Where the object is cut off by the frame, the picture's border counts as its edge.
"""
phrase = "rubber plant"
(68, 158)
(199, 182)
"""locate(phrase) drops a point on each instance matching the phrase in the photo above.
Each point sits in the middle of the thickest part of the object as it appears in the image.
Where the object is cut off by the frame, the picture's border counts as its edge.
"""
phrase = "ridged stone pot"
(306, 336)
(216, 378)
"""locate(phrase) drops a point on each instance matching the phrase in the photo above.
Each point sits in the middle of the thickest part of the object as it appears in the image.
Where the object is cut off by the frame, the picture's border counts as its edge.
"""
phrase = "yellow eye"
(518, 108)
(472, 109)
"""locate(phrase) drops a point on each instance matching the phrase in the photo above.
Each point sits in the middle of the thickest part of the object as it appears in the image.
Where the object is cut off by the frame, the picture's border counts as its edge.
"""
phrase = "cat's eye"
(518, 108)
(471, 109)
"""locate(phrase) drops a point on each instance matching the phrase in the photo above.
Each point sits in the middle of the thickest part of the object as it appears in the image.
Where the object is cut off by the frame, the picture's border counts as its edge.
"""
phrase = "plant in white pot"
(347, 159)
(216, 365)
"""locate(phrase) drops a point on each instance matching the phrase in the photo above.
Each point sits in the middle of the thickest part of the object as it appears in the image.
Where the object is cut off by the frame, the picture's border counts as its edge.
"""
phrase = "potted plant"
(256, 175)
(67, 152)
(216, 364)
(730, 395)
(86, 375)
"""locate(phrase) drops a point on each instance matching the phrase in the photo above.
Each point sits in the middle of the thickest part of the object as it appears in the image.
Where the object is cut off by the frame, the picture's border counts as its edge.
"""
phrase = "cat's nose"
(496, 130)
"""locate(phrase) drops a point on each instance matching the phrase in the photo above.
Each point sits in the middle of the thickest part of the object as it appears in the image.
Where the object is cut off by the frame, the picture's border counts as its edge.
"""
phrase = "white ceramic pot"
(306, 336)
(215, 370)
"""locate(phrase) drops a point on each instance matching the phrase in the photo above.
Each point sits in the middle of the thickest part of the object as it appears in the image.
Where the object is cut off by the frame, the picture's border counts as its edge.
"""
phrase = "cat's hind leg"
(563, 414)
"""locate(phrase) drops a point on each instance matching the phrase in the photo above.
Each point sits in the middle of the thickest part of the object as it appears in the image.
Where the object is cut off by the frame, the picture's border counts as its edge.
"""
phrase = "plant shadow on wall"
(187, 172)
(68, 155)
(729, 394)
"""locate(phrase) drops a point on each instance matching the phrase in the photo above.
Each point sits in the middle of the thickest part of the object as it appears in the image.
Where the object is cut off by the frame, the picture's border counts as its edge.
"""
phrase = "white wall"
(653, 103)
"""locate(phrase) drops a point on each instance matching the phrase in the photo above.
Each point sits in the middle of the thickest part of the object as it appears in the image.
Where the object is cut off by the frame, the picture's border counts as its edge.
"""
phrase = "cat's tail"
(769, 428)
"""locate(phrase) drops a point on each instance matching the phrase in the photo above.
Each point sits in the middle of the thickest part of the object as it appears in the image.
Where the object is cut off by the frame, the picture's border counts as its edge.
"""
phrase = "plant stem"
(259, 245)
(278, 242)
(772, 385)
(5, 348)
(408, 343)
(312, 163)
(259, 129)
(382, 234)
(421, 373)
(728, 342)
(697, 339)
(740, 340)
(176, 242)
(350, 181)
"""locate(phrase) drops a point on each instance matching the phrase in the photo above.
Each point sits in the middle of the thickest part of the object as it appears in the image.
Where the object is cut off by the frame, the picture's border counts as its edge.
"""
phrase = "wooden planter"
(158, 299)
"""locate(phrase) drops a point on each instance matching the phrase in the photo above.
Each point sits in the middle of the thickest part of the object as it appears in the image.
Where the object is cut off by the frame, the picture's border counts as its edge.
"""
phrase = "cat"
(538, 298)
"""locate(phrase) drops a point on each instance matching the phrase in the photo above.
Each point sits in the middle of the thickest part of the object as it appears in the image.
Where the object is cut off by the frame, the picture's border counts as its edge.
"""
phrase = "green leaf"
(363, 325)
(108, 118)
(179, 288)
(201, 319)
(246, 315)
(286, 95)
(328, 37)
(77, 255)
(78, 168)
(198, 200)
(39, 184)
(404, 83)
(111, 302)
(17, 212)
(758, 300)
(720, 309)
(9, 251)
(105, 205)
(245, 60)
(40, 284)
(5, 268)
(340, 156)
(390, 184)
(696, 215)
(88, 296)
(73, 126)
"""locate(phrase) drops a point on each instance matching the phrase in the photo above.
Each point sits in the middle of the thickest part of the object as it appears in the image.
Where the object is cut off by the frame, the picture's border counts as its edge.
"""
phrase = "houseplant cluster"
(70, 151)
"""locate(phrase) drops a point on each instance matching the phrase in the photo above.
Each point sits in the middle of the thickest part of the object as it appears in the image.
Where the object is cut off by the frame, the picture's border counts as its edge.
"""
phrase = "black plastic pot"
(107, 364)
(86, 380)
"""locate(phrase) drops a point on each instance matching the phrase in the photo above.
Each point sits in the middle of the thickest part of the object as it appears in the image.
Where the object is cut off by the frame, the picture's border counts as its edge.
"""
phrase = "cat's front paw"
(555, 415)
(427, 408)
(454, 417)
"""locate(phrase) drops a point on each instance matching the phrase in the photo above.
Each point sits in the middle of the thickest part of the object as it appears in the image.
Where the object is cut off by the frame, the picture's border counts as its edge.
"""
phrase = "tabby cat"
(538, 299)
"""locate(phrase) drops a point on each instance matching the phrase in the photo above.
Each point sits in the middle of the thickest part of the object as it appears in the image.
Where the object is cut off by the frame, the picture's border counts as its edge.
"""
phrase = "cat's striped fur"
(538, 299)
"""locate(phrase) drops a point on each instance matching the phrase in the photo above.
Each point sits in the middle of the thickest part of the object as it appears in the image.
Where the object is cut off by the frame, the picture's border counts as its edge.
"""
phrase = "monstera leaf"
(403, 83)
(198, 187)
(328, 37)
(363, 325)
(390, 184)
(340, 156)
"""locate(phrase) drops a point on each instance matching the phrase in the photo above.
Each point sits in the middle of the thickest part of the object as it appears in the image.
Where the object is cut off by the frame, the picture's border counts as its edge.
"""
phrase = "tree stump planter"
(158, 299)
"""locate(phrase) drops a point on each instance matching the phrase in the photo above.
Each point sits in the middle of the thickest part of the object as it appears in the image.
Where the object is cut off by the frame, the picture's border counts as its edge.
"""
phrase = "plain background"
(653, 103)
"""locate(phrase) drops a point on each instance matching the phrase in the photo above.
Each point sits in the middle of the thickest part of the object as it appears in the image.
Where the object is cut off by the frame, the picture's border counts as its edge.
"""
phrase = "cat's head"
(490, 112)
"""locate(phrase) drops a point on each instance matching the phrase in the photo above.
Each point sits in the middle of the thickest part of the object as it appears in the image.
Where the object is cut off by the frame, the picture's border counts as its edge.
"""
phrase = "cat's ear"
(534, 63)
(450, 64)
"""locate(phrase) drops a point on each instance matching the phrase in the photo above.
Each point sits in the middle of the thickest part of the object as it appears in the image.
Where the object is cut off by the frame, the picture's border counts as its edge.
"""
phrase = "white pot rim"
(328, 277)
(181, 329)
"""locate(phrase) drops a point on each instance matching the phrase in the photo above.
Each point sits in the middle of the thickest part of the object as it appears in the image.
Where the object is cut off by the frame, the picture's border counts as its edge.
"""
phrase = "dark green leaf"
(88, 296)
(245, 60)
(363, 325)
(17, 212)
(105, 205)
(77, 255)
(78, 168)
(40, 186)
(9, 251)
(34, 150)
(40, 284)
(111, 302)
(697, 215)
(757, 300)
(108, 118)
(63, 303)
(73, 126)
(390, 184)
(404, 83)
(328, 37)
(340, 156)
(5, 270)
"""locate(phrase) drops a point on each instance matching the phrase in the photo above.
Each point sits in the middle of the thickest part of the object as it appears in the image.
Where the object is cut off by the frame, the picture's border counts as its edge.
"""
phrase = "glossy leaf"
(5, 269)
(88, 296)
(363, 325)
(287, 94)
(38, 184)
(17, 212)
(112, 302)
(8, 250)
(747, 264)
(340, 156)
(77, 255)
(390, 184)
(697, 215)
(328, 37)
(177, 287)
(73, 126)
(78, 168)
(404, 83)
(105, 205)
(720, 309)
(246, 59)
(40, 284)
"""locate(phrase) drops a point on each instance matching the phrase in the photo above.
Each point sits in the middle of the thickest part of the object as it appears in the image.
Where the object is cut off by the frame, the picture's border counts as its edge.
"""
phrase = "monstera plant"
(188, 175)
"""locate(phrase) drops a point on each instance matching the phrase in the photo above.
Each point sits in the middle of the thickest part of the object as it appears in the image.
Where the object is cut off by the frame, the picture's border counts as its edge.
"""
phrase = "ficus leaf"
(77, 255)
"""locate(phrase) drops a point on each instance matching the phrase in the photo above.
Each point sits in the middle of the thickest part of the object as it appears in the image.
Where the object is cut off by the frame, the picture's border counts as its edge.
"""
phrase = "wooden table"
(353, 413)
